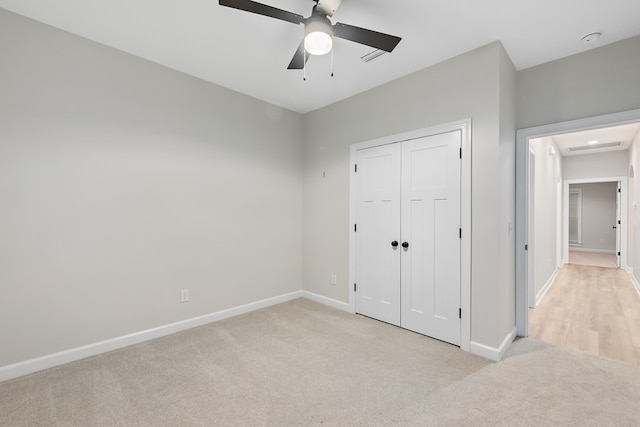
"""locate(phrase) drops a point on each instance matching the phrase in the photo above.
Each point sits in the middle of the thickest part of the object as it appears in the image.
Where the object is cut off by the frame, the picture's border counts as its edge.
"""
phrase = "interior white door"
(430, 229)
(378, 225)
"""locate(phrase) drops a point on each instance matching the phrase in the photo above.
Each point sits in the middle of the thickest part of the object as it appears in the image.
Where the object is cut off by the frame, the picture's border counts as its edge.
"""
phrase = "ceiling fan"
(319, 31)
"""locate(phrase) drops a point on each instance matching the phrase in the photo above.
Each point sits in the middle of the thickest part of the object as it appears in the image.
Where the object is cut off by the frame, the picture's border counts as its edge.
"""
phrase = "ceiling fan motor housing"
(318, 34)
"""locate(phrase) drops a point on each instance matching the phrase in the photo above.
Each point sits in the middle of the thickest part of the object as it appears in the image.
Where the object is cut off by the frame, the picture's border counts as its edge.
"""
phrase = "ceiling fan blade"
(263, 9)
(371, 38)
(328, 7)
(299, 58)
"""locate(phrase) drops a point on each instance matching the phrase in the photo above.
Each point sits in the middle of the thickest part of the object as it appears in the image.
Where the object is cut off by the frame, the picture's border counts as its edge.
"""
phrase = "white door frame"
(523, 136)
(622, 242)
(464, 126)
(531, 251)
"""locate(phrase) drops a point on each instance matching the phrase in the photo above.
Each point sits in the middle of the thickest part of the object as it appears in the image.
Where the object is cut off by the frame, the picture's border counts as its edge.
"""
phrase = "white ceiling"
(624, 134)
(249, 53)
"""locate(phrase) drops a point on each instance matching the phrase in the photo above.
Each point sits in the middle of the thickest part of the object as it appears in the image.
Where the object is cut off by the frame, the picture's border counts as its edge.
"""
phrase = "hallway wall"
(548, 209)
(634, 213)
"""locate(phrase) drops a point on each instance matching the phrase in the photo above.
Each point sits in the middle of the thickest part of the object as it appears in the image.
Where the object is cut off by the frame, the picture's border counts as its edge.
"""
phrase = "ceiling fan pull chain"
(304, 64)
(331, 62)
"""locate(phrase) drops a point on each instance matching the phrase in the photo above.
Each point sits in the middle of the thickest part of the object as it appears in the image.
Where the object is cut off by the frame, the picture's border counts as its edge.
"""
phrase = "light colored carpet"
(301, 363)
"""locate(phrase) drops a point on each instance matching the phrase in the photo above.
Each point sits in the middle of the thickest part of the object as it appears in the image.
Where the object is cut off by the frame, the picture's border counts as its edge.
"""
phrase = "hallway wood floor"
(596, 259)
(592, 309)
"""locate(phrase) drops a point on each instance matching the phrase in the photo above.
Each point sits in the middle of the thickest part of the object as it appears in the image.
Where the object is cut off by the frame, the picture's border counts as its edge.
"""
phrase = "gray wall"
(603, 165)
(122, 182)
(598, 215)
(595, 82)
(479, 85)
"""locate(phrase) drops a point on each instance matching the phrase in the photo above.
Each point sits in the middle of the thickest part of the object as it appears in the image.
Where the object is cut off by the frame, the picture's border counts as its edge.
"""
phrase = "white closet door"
(378, 225)
(430, 284)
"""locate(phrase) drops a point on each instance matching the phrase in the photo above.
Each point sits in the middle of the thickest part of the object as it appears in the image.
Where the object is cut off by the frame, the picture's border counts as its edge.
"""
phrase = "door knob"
(394, 243)
(405, 245)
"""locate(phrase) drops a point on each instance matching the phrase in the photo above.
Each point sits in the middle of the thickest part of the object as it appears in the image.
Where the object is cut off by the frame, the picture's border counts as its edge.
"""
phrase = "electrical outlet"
(334, 279)
(184, 295)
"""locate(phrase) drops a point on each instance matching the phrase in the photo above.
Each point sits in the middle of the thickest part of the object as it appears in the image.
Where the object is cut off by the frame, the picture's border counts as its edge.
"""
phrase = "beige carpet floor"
(301, 363)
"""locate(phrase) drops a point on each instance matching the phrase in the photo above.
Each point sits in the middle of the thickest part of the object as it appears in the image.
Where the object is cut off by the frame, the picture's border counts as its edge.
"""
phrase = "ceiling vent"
(596, 146)
(372, 55)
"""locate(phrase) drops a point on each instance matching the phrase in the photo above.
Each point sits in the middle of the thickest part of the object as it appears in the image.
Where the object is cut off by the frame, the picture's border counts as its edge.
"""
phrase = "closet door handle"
(394, 243)
(405, 245)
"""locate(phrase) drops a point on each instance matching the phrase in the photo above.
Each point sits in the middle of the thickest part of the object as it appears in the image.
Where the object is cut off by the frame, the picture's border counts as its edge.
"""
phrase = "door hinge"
(356, 168)
(355, 287)
(618, 253)
(459, 313)
(526, 247)
(355, 228)
(460, 232)
(460, 152)
(618, 221)
(618, 191)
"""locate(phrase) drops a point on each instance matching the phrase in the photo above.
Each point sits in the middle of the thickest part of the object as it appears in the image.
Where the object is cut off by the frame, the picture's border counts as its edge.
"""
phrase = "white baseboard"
(495, 354)
(326, 301)
(540, 295)
(628, 269)
(635, 283)
(598, 251)
(49, 361)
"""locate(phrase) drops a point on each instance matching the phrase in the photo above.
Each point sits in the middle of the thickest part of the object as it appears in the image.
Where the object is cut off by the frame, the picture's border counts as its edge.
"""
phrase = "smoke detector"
(591, 38)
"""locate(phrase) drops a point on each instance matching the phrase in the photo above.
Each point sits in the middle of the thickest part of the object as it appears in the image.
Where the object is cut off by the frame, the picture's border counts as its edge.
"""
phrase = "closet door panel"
(430, 265)
(378, 225)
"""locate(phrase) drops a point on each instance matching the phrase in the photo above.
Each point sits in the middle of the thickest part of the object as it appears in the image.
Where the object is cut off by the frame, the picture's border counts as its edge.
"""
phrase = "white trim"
(522, 149)
(49, 361)
(595, 251)
(540, 295)
(326, 301)
(495, 354)
(628, 269)
(635, 283)
(531, 200)
(464, 126)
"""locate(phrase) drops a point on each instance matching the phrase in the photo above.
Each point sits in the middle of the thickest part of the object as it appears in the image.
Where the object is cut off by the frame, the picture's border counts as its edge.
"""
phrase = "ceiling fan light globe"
(318, 43)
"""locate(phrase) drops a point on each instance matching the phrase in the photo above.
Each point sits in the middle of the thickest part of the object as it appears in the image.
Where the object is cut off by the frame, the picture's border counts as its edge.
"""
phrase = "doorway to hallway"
(526, 242)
